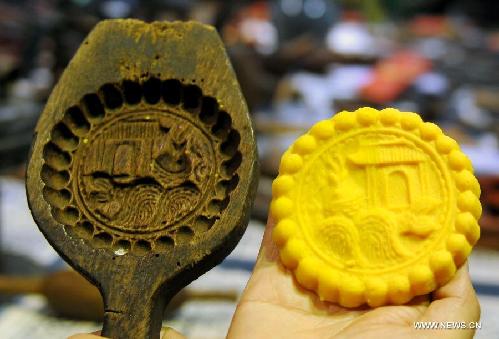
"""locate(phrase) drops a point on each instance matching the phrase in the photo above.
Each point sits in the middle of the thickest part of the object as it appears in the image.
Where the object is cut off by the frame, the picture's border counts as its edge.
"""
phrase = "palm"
(274, 306)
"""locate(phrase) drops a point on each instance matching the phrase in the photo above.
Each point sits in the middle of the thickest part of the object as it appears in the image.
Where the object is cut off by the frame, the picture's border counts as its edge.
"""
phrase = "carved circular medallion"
(141, 166)
(143, 171)
(375, 207)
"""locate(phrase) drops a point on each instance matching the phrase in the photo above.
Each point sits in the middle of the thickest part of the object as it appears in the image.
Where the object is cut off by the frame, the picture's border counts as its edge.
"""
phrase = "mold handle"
(134, 315)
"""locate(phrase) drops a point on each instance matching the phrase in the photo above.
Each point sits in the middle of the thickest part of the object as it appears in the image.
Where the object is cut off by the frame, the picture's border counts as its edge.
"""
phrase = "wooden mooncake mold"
(143, 167)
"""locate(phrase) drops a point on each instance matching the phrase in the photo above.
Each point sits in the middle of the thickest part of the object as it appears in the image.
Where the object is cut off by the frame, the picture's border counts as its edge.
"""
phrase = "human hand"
(275, 306)
(166, 333)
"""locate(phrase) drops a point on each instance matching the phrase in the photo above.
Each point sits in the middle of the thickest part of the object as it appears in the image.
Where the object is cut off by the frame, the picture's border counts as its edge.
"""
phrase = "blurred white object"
(261, 33)
(463, 99)
(351, 38)
(344, 82)
(19, 233)
(116, 8)
(432, 48)
(28, 319)
(314, 9)
(22, 89)
(432, 83)
(318, 93)
(291, 7)
(42, 78)
(485, 155)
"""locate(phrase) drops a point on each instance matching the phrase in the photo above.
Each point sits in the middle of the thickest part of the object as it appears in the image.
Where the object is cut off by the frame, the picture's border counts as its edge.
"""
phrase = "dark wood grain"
(143, 165)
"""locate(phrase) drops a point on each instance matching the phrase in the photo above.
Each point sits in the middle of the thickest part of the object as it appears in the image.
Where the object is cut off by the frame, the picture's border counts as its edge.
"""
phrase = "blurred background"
(297, 61)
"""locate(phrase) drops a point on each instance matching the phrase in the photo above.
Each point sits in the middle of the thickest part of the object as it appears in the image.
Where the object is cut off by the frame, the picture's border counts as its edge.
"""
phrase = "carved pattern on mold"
(141, 166)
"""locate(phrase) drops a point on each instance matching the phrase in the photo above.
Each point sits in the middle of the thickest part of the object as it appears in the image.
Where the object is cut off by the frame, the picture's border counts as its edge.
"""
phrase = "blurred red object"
(393, 75)
(490, 218)
(430, 26)
(490, 193)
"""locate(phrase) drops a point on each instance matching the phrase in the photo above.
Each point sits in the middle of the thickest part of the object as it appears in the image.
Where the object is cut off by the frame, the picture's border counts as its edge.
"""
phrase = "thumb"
(170, 333)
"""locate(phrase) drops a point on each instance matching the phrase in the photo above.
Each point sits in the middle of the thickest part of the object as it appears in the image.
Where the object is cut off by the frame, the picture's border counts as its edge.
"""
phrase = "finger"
(456, 286)
(455, 302)
(420, 300)
(170, 333)
(266, 273)
(272, 283)
(268, 250)
(93, 335)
